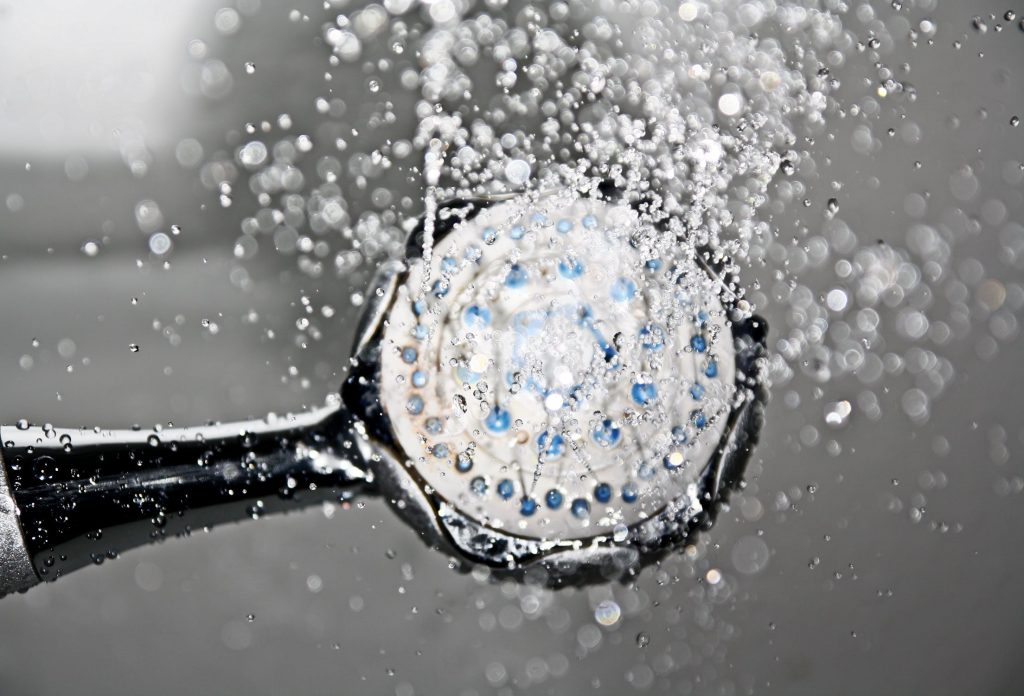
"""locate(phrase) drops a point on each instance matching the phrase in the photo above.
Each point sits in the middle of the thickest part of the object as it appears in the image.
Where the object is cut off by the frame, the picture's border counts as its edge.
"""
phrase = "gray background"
(349, 601)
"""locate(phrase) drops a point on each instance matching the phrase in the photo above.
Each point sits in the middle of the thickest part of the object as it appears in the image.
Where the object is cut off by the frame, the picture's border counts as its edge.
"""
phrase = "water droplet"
(517, 172)
(731, 104)
(620, 533)
(607, 613)
(160, 243)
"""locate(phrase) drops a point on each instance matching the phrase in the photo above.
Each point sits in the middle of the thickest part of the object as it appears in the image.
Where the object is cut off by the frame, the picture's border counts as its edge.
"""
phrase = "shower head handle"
(71, 498)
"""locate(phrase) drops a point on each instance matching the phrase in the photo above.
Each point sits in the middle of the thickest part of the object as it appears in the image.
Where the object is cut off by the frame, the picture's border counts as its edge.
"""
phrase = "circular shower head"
(549, 382)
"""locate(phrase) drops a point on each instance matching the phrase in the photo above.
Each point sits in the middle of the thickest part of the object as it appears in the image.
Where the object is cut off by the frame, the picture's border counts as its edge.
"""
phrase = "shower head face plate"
(549, 380)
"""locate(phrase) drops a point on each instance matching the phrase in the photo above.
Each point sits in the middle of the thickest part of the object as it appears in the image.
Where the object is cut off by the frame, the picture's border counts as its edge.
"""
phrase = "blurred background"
(867, 555)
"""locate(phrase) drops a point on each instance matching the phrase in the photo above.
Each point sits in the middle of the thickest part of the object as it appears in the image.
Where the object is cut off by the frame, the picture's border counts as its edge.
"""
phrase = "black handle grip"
(87, 495)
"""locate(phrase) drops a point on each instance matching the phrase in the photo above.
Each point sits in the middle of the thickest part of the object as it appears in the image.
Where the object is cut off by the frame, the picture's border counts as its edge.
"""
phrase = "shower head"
(554, 383)
(544, 386)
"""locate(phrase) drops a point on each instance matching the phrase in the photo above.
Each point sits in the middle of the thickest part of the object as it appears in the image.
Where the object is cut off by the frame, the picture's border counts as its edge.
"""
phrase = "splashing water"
(709, 116)
(689, 113)
(692, 141)
(690, 107)
(716, 119)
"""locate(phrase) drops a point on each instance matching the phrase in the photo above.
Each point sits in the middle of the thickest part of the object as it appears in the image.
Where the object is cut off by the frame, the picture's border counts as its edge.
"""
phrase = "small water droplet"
(607, 613)
(620, 533)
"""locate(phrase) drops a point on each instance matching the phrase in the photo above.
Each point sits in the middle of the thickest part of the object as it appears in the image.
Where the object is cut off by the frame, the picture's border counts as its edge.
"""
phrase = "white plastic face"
(548, 380)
